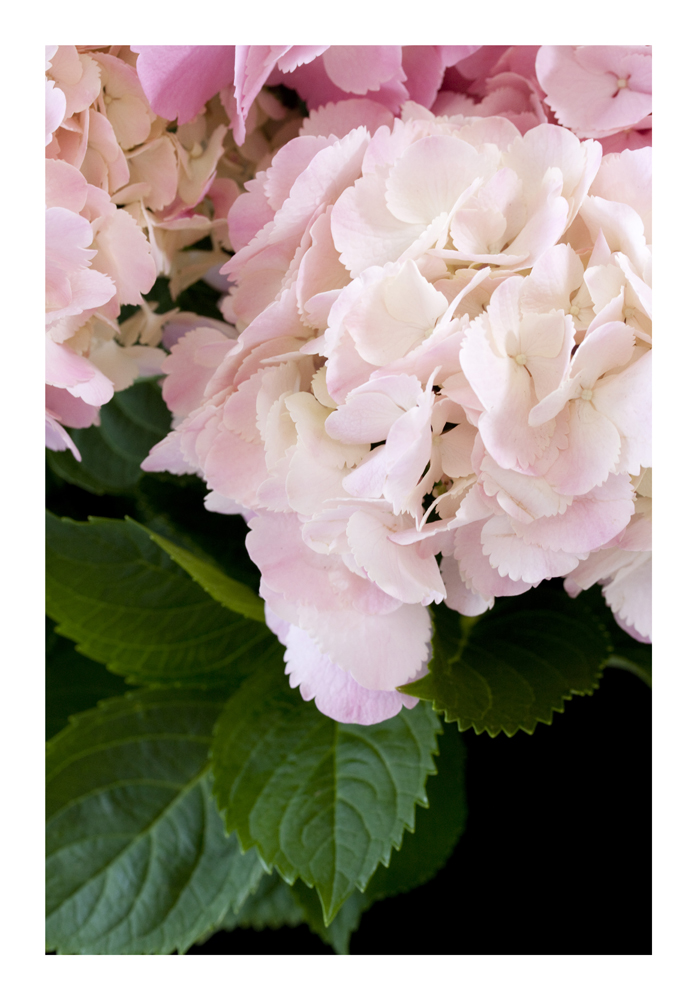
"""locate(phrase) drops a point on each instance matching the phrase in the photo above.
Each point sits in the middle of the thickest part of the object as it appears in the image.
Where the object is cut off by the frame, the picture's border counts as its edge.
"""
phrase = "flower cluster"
(440, 390)
(126, 193)
(166, 135)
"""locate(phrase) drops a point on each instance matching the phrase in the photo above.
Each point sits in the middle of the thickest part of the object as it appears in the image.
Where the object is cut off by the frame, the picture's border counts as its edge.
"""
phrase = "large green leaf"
(322, 800)
(515, 665)
(422, 854)
(138, 859)
(73, 683)
(438, 828)
(127, 604)
(270, 907)
(132, 422)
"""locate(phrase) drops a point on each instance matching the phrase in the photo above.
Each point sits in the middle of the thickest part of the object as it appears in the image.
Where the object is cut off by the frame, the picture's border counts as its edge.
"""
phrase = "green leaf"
(127, 604)
(138, 861)
(73, 683)
(422, 854)
(272, 906)
(438, 828)
(225, 591)
(515, 665)
(131, 422)
(322, 800)
(338, 934)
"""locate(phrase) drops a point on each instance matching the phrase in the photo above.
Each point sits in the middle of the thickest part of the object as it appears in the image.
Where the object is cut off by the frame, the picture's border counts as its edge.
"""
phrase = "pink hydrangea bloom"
(436, 358)
(597, 90)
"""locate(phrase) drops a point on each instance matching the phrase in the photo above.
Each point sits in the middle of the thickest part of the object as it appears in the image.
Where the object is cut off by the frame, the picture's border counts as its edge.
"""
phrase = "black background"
(556, 857)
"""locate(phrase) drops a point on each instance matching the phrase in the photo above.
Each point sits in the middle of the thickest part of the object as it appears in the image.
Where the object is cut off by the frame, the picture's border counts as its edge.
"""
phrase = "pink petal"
(341, 117)
(55, 109)
(460, 597)
(629, 595)
(299, 55)
(475, 568)
(124, 254)
(189, 368)
(381, 651)
(253, 63)
(581, 85)
(68, 370)
(513, 557)
(400, 570)
(335, 691)
(166, 456)
(625, 399)
(592, 453)
(65, 186)
(179, 79)
(424, 67)
(70, 410)
(431, 175)
(234, 467)
(370, 411)
(590, 521)
(360, 68)
(57, 438)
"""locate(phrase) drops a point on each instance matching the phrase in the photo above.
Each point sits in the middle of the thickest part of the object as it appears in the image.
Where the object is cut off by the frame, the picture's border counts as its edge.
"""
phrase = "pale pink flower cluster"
(598, 91)
(97, 259)
(440, 390)
(126, 193)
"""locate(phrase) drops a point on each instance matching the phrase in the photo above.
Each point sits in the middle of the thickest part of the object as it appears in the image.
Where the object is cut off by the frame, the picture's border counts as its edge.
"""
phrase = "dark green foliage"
(138, 860)
(130, 606)
(514, 666)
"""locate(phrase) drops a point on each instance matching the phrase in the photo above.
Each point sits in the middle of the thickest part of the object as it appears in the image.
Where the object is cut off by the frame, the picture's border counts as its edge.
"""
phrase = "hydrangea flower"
(438, 391)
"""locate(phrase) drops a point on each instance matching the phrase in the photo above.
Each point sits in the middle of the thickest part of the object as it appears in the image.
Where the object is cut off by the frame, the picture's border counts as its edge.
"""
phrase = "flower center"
(574, 310)
(587, 394)
(521, 359)
(108, 99)
(621, 83)
(196, 151)
(628, 313)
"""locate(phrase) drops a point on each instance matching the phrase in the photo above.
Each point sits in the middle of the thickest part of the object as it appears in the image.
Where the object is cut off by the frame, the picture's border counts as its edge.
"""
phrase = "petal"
(399, 570)
(430, 176)
(592, 453)
(513, 557)
(360, 68)
(590, 521)
(625, 399)
(381, 651)
(179, 79)
(335, 691)
(475, 568)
